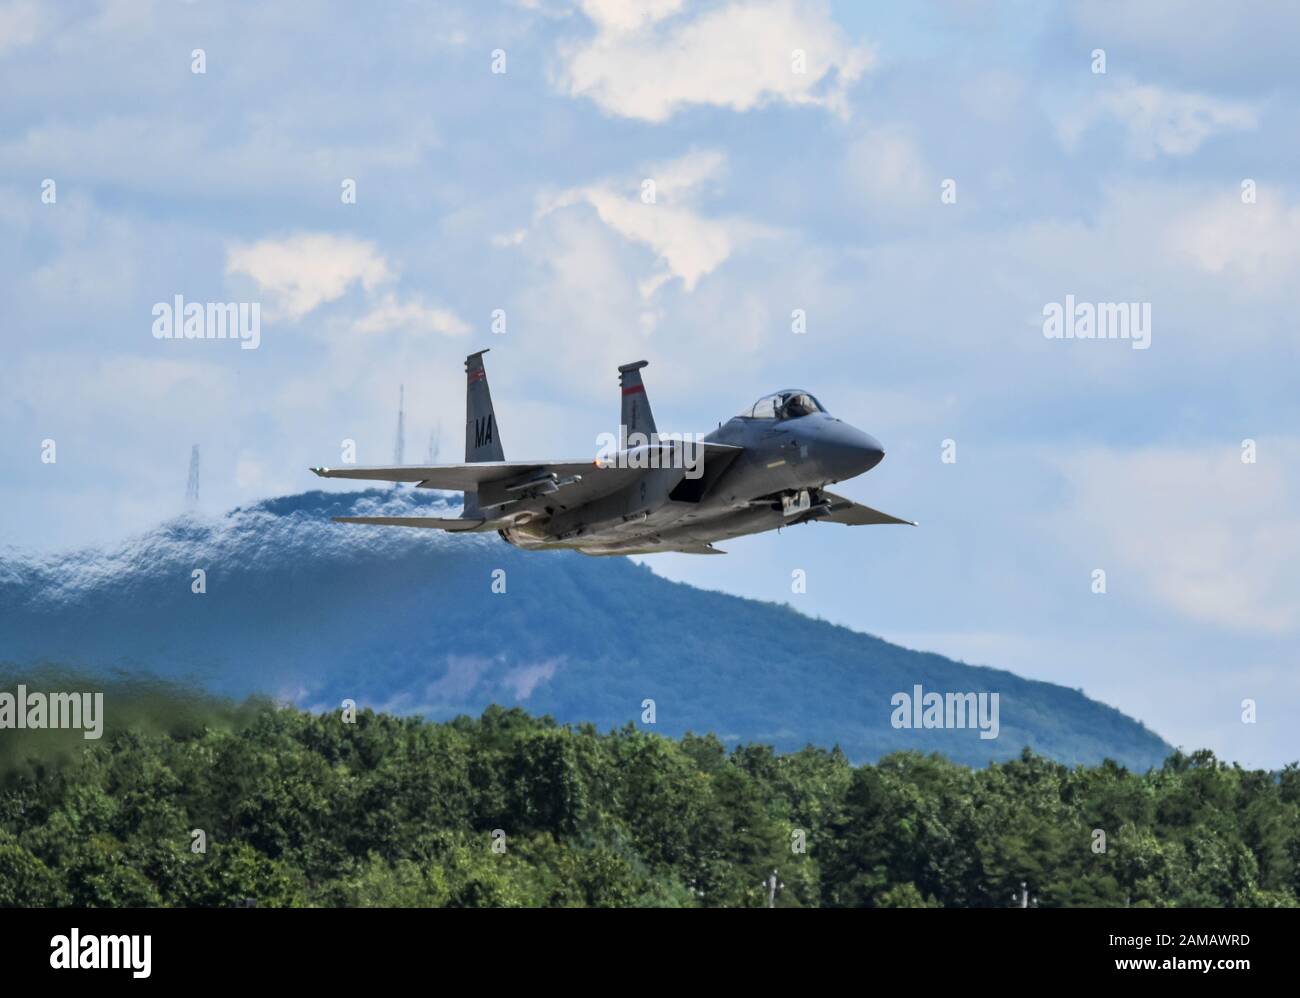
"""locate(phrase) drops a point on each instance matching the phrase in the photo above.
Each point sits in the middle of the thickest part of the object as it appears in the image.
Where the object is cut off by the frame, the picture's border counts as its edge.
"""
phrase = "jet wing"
(854, 514)
(502, 485)
(520, 485)
(468, 477)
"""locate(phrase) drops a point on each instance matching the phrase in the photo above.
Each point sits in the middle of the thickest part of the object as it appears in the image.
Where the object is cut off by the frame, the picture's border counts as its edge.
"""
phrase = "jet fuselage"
(771, 483)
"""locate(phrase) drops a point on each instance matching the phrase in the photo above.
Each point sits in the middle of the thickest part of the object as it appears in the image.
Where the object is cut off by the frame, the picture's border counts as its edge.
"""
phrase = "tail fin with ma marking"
(482, 439)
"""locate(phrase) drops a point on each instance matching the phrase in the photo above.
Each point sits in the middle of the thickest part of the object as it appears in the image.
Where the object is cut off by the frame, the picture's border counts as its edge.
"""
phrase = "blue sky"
(775, 191)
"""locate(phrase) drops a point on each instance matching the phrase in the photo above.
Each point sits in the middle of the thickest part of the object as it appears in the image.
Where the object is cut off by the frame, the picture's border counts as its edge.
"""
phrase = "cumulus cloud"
(302, 272)
(648, 61)
(414, 315)
(307, 270)
(685, 243)
(1158, 120)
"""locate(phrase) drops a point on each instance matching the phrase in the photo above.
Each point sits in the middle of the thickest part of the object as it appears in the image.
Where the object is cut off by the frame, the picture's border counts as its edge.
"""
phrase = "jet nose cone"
(872, 451)
(853, 452)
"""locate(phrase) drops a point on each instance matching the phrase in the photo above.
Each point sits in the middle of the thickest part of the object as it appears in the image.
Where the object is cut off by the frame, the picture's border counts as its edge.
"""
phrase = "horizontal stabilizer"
(634, 547)
(854, 514)
(454, 524)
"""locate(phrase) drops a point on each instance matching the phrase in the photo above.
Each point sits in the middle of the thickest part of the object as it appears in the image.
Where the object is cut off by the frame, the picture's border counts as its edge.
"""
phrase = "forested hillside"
(508, 809)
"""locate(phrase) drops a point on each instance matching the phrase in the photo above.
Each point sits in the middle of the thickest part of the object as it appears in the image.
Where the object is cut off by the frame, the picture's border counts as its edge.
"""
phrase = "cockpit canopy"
(789, 404)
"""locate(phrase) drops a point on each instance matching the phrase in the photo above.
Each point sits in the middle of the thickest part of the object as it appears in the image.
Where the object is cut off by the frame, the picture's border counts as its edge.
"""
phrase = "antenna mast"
(192, 487)
(399, 446)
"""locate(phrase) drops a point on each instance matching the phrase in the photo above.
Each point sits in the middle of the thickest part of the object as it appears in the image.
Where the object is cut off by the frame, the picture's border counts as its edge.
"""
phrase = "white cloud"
(620, 16)
(649, 61)
(302, 272)
(307, 270)
(414, 315)
(1158, 120)
(585, 287)
(1203, 533)
(686, 244)
(1258, 242)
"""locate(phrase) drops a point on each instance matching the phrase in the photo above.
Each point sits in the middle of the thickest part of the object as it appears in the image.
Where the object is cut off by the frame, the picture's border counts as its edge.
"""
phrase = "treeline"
(293, 808)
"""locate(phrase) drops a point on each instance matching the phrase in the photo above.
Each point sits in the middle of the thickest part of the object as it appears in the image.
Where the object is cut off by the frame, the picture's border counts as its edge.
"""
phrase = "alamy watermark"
(919, 709)
(651, 450)
(1098, 321)
(93, 952)
(182, 320)
(68, 711)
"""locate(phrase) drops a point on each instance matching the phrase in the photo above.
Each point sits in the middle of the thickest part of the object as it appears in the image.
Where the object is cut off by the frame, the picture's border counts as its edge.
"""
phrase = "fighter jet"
(764, 469)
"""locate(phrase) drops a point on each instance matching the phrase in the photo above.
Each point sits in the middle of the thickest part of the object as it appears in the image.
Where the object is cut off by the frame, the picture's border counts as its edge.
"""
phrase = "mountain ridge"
(313, 612)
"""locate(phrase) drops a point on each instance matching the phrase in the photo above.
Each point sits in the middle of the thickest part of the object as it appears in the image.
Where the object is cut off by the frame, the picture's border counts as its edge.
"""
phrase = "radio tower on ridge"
(192, 487)
(434, 438)
(399, 447)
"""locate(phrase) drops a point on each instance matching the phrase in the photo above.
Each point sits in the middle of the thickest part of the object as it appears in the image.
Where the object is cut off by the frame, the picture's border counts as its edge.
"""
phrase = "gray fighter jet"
(644, 493)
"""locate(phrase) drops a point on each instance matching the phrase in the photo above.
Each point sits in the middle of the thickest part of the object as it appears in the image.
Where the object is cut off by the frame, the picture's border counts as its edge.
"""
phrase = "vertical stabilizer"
(482, 441)
(636, 406)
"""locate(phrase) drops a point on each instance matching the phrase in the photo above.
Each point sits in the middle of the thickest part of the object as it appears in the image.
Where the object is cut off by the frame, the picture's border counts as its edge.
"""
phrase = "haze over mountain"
(314, 612)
